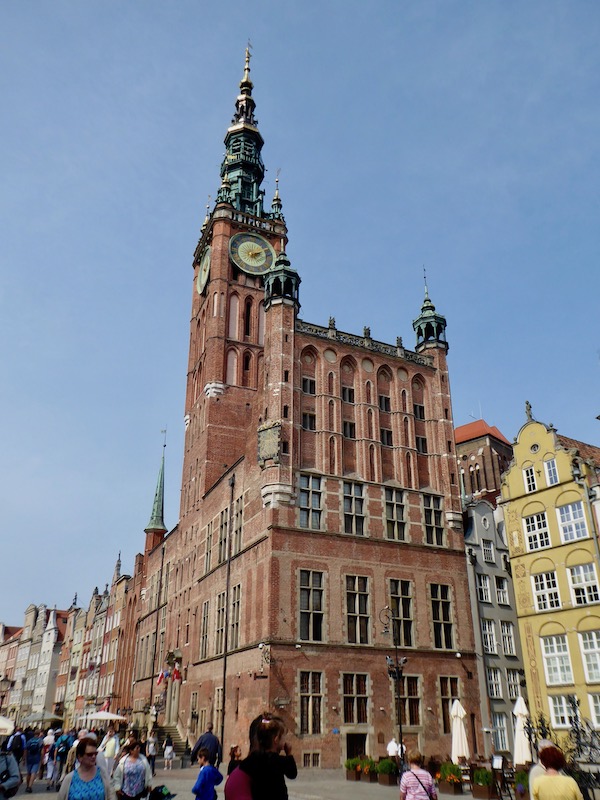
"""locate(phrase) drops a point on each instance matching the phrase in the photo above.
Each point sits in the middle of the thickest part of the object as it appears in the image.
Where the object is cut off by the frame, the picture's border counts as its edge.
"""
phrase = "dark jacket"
(212, 744)
(268, 772)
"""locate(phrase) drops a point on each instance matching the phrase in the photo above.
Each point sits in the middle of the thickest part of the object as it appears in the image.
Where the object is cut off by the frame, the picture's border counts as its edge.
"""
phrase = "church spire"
(429, 326)
(157, 522)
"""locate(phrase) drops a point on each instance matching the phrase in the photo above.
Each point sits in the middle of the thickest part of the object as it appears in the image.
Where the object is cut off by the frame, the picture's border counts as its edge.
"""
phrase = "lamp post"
(395, 668)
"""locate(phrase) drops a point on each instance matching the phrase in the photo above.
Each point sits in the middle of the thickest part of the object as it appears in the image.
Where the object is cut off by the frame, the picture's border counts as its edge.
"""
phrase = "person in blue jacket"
(208, 777)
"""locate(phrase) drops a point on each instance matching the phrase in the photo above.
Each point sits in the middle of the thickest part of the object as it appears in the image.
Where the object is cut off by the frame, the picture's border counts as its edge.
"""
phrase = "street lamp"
(395, 668)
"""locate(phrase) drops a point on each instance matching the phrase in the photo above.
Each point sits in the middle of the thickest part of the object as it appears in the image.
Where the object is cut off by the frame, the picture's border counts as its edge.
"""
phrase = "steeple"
(429, 326)
(243, 165)
(158, 509)
(117, 572)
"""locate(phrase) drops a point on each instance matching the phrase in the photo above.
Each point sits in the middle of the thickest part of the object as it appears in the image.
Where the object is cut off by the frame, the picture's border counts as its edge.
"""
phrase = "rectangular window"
(236, 605)
(311, 702)
(357, 608)
(434, 526)
(349, 429)
(529, 479)
(536, 528)
(218, 707)
(409, 701)
(309, 386)
(354, 520)
(386, 437)
(572, 522)
(483, 589)
(311, 605)
(584, 584)
(488, 551)
(204, 630)
(502, 591)
(384, 403)
(394, 514)
(557, 663)
(448, 694)
(488, 633)
(561, 710)
(355, 697)
(347, 394)
(401, 612)
(545, 591)
(220, 625)
(499, 736)
(309, 421)
(310, 502)
(441, 613)
(494, 683)
(590, 649)
(223, 536)
(421, 443)
(594, 701)
(507, 630)
(208, 551)
(238, 521)
(419, 411)
(513, 681)
(551, 472)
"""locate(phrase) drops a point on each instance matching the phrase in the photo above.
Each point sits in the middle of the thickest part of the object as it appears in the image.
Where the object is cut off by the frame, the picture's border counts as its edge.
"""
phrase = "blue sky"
(462, 136)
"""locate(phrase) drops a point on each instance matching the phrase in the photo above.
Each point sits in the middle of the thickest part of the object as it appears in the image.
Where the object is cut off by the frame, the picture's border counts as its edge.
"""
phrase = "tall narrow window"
(354, 520)
(236, 606)
(502, 591)
(507, 630)
(311, 702)
(551, 472)
(483, 588)
(357, 608)
(311, 605)
(513, 681)
(448, 694)
(402, 612)
(310, 502)
(488, 635)
(238, 524)
(441, 613)
(434, 528)
(494, 682)
(394, 514)
(223, 536)
(529, 479)
(208, 550)
(355, 697)
(499, 734)
(220, 625)
(204, 630)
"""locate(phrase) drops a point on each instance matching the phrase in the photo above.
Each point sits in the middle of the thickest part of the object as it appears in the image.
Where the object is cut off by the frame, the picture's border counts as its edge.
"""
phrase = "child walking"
(208, 777)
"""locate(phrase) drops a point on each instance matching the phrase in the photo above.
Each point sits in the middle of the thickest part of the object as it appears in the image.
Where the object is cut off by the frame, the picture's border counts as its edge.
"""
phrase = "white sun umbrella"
(460, 745)
(105, 715)
(522, 748)
(7, 726)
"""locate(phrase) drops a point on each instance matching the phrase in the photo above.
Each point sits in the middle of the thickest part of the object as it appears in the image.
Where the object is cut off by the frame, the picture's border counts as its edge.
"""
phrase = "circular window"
(485, 522)
(534, 448)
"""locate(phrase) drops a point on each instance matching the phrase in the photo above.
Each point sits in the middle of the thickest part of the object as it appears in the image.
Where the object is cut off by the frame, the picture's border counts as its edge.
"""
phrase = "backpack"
(33, 747)
(62, 748)
(16, 746)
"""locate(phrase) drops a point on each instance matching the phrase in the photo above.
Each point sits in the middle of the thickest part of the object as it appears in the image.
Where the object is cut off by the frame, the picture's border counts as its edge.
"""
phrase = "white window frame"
(529, 480)
(594, 703)
(494, 683)
(584, 584)
(483, 589)
(551, 471)
(513, 683)
(499, 731)
(571, 522)
(487, 548)
(507, 631)
(537, 534)
(589, 644)
(545, 591)
(557, 661)
(502, 597)
(560, 711)
(488, 635)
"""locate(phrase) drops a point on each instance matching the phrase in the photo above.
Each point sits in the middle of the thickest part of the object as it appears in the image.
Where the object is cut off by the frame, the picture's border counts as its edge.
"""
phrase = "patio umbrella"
(105, 715)
(7, 726)
(460, 745)
(41, 716)
(522, 748)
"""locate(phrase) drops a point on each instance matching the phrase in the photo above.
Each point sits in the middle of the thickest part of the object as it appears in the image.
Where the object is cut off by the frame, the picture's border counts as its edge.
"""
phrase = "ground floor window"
(499, 735)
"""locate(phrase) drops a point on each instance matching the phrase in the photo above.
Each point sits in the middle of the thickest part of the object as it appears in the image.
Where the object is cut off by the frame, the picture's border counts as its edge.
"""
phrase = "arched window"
(332, 469)
(409, 479)
(261, 323)
(231, 374)
(368, 391)
(330, 383)
(248, 318)
(403, 399)
(234, 311)
(247, 366)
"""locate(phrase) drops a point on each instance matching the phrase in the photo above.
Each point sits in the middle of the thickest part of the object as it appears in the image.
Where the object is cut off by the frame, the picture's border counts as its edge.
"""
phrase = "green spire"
(243, 165)
(157, 522)
(430, 326)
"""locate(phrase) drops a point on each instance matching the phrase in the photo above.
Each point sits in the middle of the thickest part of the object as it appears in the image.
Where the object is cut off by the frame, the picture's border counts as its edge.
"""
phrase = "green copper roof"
(157, 522)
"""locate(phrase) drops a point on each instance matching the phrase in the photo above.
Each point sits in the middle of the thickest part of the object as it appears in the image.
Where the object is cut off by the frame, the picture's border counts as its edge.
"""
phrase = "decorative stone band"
(214, 389)
(277, 494)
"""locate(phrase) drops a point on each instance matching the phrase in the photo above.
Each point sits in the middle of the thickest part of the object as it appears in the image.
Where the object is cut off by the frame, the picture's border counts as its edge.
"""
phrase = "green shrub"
(367, 765)
(352, 763)
(387, 767)
(522, 779)
(450, 772)
(483, 777)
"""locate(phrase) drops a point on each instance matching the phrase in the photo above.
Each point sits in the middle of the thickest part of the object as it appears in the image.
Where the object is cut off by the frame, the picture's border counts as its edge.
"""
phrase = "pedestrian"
(33, 758)
(16, 744)
(62, 746)
(265, 765)
(208, 777)
(151, 751)
(235, 758)
(553, 784)
(169, 752)
(416, 782)
(239, 783)
(48, 758)
(133, 777)
(212, 744)
(71, 761)
(110, 747)
(10, 776)
(87, 781)
(538, 769)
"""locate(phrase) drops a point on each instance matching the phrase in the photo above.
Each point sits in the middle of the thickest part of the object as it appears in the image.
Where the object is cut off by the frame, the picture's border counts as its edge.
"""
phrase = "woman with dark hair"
(88, 781)
(265, 765)
(133, 776)
(553, 785)
(235, 758)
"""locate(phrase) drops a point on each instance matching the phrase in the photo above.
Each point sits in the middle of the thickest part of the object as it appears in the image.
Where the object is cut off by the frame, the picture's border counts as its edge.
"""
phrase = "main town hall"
(320, 525)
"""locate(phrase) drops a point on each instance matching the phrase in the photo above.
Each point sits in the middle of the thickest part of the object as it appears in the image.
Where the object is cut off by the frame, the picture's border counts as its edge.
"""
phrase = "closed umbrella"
(522, 748)
(7, 726)
(460, 745)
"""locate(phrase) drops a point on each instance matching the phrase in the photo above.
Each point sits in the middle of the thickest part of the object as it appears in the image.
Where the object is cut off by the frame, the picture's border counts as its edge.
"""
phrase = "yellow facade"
(552, 538)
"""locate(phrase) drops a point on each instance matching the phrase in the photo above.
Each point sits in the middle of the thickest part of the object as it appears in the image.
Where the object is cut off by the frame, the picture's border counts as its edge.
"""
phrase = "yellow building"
(549, 496)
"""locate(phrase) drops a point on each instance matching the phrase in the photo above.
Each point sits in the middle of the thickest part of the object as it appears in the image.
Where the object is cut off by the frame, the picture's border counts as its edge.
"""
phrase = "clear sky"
(463, 136)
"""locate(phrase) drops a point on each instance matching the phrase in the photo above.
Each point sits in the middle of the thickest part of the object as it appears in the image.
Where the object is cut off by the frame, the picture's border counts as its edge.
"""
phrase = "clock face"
(251, 253)
(203, 271)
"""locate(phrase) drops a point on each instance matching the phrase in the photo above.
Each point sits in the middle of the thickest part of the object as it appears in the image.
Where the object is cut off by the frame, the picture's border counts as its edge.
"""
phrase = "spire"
(243, 165)
(277, 205)
(158, 509)
(282, 283)
(429, 326)
(117, 572)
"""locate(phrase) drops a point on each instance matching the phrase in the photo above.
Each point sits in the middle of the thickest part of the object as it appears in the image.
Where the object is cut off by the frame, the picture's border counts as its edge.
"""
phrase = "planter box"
(387, 780)
(484, 792)
(368, 777)
(352, 775)
(450, 788)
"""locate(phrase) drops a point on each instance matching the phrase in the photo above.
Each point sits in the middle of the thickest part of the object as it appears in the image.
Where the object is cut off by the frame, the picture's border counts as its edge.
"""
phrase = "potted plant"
(483, 784)
(387, 772)
(521, 784)
(352, 767)
(449, 778)
(367, 770)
